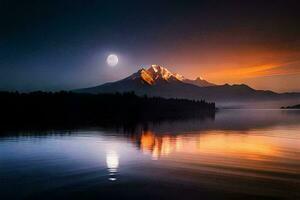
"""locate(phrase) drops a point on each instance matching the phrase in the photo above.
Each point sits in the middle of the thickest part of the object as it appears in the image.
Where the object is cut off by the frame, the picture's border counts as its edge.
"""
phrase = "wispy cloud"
(288, 68)
(269, 67)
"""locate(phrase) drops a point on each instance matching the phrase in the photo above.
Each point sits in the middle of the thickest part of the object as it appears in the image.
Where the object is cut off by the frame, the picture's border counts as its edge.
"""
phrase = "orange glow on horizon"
(259, 68)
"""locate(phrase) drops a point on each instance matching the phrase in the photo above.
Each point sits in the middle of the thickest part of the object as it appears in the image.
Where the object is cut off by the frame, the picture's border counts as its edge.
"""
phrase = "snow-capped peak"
(154, 67)
(179, 76)
(199, 78)
(157, 74)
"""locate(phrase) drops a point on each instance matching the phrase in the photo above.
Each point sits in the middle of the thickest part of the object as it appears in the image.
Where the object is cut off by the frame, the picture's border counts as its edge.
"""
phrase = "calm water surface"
(241, 154)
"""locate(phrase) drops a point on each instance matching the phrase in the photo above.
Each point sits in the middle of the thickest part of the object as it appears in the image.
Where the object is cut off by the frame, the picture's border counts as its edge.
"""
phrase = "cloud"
(289, 68)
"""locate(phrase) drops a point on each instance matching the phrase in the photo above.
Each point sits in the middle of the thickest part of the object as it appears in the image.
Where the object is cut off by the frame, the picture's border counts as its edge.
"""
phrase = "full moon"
(112, 60)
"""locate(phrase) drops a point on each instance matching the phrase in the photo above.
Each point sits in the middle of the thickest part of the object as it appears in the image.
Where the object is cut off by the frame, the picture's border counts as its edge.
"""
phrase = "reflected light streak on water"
(112, 162)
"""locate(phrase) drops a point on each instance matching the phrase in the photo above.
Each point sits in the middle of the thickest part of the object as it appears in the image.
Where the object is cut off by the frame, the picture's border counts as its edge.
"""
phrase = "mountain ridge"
(159, 81)
(157, 74)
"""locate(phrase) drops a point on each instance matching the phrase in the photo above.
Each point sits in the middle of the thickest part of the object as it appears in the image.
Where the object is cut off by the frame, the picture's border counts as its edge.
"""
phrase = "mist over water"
(267, 104)
(243, 154)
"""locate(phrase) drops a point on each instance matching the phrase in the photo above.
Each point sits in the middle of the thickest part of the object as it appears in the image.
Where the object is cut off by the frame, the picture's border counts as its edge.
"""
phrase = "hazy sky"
(53, 45)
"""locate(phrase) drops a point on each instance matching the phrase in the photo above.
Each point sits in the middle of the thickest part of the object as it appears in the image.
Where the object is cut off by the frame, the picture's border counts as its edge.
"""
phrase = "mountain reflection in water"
(208, 143)
(241, 154)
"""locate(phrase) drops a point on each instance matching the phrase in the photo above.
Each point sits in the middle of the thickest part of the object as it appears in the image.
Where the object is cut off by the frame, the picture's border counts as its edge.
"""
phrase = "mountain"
(155, 75)
(199, 82)
(159, 81)
(145, 79)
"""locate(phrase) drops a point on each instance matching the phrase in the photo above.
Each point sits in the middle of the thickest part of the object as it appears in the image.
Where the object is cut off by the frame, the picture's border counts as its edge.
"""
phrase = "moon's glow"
(112, 60)
(112, 162)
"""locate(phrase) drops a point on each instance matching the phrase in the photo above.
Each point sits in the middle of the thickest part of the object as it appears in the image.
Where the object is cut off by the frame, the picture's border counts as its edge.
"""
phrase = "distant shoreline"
(292, 107)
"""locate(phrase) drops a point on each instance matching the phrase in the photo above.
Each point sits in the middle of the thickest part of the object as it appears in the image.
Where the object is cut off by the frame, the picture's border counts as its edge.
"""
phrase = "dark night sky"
(53, 45)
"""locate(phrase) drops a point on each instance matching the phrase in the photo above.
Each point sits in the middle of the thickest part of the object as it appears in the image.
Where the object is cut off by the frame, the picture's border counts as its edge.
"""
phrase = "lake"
(240, 154)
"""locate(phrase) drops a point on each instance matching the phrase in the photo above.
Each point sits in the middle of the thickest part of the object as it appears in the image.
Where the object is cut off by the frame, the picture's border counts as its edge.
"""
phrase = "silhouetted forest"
(40, 109)
(292, 107)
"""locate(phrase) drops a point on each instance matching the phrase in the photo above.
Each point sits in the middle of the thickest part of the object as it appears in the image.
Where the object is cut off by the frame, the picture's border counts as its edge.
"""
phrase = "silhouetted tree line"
(67, 108)
(292, 107)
